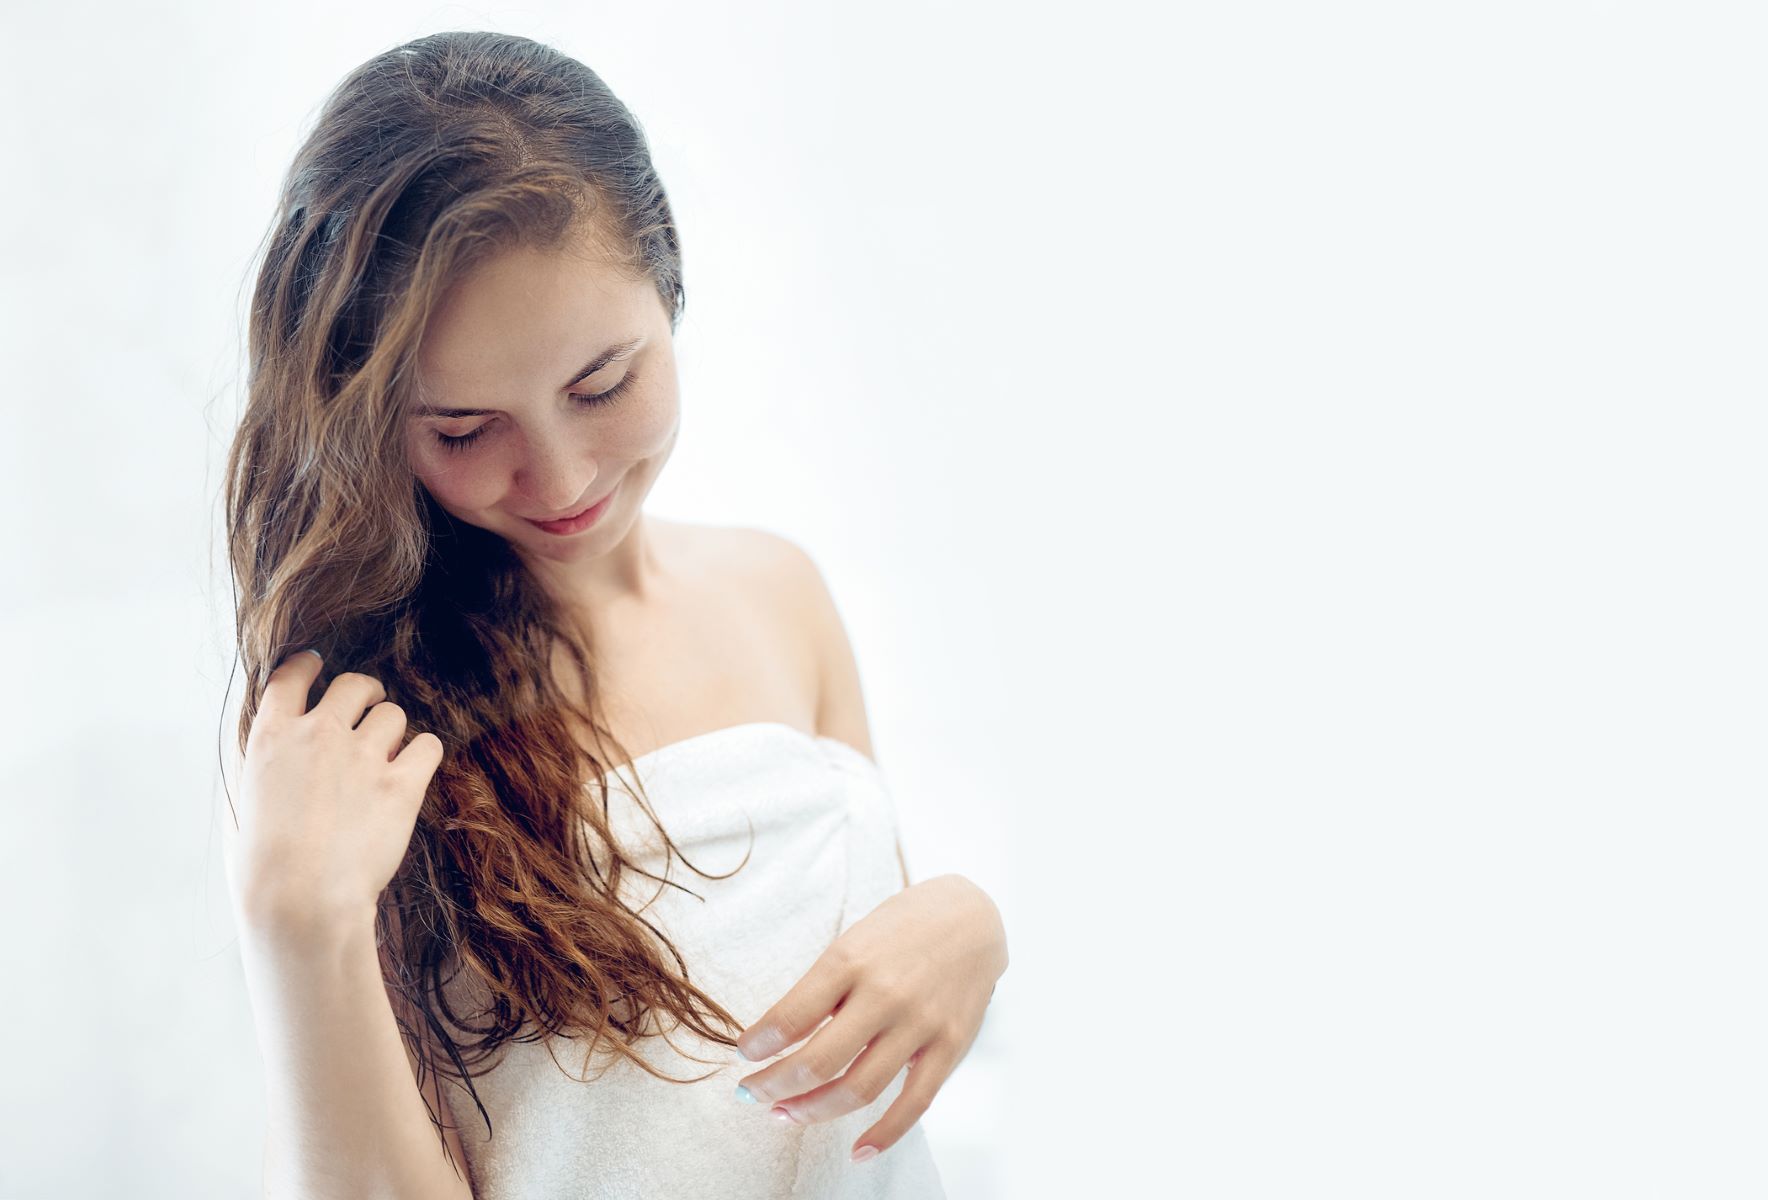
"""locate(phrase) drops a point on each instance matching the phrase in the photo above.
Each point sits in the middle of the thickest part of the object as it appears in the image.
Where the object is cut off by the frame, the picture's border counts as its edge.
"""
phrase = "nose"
(555, 476)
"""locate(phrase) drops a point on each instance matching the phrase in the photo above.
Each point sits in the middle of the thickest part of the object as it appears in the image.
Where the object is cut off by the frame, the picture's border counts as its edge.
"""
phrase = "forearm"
(346, 1118)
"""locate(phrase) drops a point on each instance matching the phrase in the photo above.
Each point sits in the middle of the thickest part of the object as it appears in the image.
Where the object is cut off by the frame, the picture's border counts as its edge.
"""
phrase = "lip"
(578, 521)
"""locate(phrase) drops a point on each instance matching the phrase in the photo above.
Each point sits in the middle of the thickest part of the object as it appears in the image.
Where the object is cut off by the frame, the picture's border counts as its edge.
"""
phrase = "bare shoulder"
(804, 593)
(796, 589)
(737, 553)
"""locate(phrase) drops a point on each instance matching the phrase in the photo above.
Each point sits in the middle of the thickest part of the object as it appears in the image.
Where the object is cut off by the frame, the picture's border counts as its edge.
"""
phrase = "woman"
(462, 389)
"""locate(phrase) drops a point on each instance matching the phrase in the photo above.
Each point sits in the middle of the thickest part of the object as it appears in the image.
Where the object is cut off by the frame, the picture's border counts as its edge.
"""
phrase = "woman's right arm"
(346, 1118)
(327, 800)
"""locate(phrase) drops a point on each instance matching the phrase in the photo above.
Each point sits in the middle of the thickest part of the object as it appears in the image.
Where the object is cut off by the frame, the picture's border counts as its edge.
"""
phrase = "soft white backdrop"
(1292, 474)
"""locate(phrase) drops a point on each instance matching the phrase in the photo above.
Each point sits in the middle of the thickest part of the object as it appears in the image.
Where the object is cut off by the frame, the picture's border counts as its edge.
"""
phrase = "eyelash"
(586, 399)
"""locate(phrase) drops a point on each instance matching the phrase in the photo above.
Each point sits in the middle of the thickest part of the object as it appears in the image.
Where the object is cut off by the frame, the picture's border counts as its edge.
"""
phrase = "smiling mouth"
(593, 512)
(565, 517)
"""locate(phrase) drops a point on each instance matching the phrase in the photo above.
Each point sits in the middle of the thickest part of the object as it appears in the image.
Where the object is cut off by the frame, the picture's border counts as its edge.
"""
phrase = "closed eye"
(586, 399)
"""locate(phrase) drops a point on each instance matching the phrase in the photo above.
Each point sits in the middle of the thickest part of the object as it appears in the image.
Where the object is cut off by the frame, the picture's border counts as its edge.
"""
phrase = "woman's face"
(502, 366)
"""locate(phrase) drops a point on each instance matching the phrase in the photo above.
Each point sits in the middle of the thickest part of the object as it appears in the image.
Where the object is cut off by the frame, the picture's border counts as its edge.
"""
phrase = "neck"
(628, 574)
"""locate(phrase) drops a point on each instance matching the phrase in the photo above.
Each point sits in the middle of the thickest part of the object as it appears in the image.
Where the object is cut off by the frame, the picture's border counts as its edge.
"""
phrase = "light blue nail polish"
(745, 1095)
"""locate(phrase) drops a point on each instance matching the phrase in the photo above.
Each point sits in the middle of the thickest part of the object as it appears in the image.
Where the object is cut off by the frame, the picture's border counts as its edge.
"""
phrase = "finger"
(863, 1081)
(384, 728)
(818, 1060)
(350, 692)
(413, 769)
(285, 692)
(794, 1015)
(421, 756)
(933, 1063)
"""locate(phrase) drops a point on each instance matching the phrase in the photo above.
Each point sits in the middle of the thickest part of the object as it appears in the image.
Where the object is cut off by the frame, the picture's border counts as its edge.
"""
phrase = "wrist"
(302, 923)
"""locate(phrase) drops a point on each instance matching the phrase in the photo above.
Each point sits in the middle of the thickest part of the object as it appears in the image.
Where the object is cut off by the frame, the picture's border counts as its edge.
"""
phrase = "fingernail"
(865, 1152)
(757, 1048)
(747, 1096)
(314, 653)
(782, 1114)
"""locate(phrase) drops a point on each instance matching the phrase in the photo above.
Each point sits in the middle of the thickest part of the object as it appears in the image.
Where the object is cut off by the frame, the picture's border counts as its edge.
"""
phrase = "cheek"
(653, 426)
(457, 487)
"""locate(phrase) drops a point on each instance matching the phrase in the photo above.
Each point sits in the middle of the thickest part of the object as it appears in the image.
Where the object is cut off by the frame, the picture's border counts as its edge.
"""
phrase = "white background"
(1292, 474)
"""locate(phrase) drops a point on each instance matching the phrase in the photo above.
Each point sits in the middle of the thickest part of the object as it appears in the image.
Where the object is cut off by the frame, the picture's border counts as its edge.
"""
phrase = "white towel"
(823, 856)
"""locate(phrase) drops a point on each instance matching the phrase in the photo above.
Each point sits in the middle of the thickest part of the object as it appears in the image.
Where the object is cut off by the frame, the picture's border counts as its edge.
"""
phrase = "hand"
(327, 805)
(909, 983)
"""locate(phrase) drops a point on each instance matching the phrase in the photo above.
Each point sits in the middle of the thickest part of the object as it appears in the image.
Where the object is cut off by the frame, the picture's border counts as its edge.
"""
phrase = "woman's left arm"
(909, 983)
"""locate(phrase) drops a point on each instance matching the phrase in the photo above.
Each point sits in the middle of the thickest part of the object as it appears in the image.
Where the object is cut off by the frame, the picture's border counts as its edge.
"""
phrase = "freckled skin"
(506, 339)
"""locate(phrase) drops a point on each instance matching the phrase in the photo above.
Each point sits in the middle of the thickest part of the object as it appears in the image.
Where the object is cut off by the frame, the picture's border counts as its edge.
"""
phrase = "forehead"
(525, 320)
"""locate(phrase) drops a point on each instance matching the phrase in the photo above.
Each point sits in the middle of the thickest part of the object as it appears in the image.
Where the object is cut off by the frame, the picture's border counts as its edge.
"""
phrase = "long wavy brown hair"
(425, 161)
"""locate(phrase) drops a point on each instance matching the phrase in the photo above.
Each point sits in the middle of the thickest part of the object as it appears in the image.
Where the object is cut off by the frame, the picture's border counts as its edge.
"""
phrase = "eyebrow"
(617, 350)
